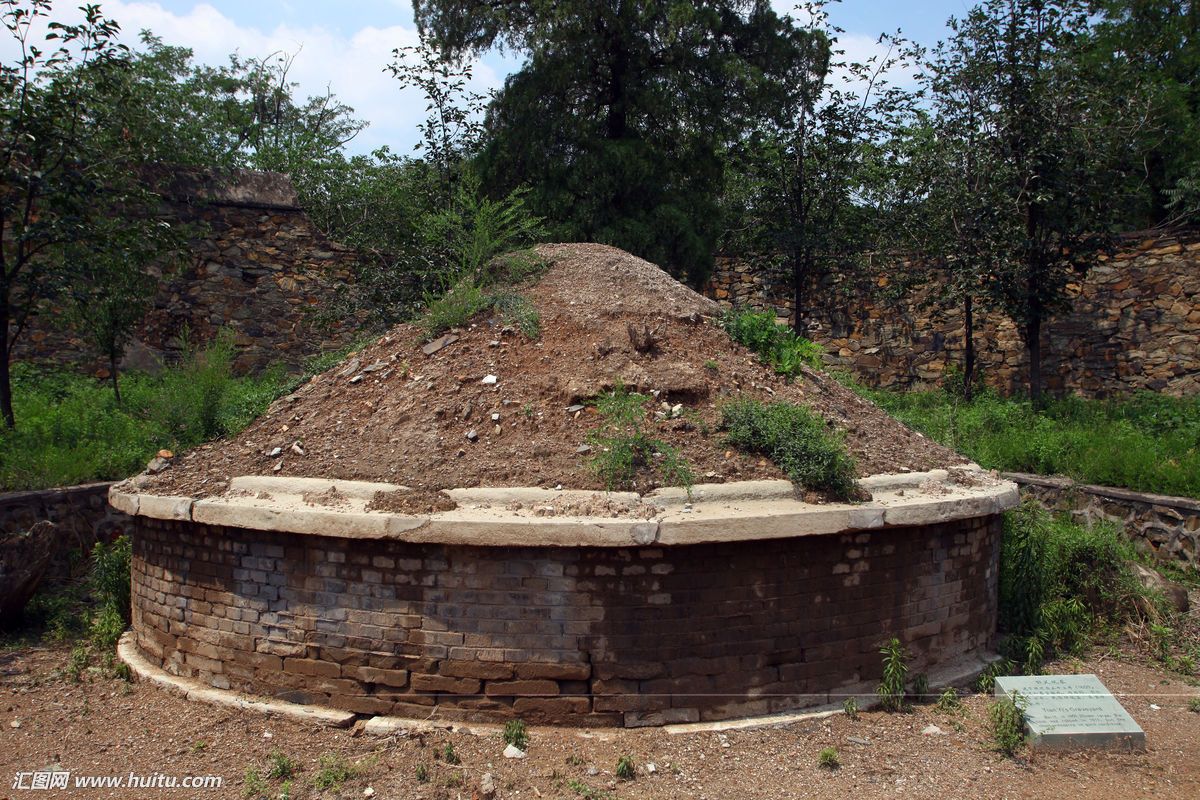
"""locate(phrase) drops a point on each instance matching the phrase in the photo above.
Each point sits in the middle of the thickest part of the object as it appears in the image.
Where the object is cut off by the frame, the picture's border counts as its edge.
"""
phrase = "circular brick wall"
(567, 635)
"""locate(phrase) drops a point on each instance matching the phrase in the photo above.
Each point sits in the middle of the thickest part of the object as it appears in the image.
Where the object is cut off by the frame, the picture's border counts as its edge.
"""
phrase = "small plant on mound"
(895, 668)
(1059, 583)
(516, 734)
(333, 772)
(828, 759)
(775, 344)
(949, 702)
(850, 707)
(1007, 716)
(1194, 705)
(624, 446)
(797, 440)
(626, 769)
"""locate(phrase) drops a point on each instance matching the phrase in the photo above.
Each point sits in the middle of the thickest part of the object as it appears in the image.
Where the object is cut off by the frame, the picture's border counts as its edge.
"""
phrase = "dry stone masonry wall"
(1134, 324)
(571, 635)
(257, 267)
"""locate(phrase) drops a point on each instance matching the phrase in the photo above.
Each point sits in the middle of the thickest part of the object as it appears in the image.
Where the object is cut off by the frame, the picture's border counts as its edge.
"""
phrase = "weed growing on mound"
(828, 759)
(1007, 717)
(797, 440)
(776, 345)
(624, 446)
(516, 734)
(1060, 583)
(489, 288)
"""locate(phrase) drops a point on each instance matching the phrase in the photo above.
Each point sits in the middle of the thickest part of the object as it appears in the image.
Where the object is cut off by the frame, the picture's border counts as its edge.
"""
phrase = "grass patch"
(71, 430)
(777, 345)
(624, 447)
(333, 770)
(828, 759)
(490, 288)
(1060, 582)
(797, 440)
(1148, 442)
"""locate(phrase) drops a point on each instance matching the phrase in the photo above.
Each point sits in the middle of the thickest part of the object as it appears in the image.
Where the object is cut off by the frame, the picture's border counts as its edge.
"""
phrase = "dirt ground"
(495, 408)
(104, 726)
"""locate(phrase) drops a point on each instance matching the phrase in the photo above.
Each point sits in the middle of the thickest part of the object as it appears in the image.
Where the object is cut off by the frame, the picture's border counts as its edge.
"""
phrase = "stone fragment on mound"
(439, 343)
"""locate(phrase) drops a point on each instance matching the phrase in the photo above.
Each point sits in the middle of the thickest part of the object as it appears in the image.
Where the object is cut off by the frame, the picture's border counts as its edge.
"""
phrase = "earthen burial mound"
(485, 405)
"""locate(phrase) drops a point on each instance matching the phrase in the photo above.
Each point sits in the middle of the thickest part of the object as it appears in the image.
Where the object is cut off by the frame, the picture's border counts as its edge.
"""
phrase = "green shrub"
(895, 668)
(626, 769)
(333, 771)
(280, 766)
(1058, 582)
(797, 440)
(850, 707)
(775, 344)
(1007, 717)
(949, 702)
(1194, 705)
(623, 446)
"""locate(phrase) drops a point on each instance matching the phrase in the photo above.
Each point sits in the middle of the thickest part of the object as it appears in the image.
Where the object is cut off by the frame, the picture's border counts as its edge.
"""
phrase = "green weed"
(1007, 716)
(895, 668)
(949, 702)
(624, 447)
(333, 770)
(516, 734)
(775, 344)
(626, 769)
(850, 707)
(279, 766)
(797, 440)
(828, 759)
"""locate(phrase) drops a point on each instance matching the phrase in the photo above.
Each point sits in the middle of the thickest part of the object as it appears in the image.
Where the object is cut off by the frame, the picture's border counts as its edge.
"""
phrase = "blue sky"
(345, 45)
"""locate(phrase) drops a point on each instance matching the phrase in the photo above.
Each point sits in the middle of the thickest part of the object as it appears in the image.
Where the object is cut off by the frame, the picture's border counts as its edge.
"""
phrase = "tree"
(620, 118)
(812, 164)
(1151, 48)
(1052, 142)
(69, 165)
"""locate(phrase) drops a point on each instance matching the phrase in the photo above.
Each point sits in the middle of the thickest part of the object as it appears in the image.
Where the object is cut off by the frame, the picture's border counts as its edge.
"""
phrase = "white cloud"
(351, 66)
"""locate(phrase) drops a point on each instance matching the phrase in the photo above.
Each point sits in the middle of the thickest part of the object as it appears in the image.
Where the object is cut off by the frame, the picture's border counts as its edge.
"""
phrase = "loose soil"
(391, 413)
(104, 726)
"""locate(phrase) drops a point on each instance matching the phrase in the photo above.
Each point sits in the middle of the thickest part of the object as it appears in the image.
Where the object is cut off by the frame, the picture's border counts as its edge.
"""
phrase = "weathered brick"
(443, 683)
(308, 666)
(530, 688)
(483, 670)
(396, 678)
(555, 672)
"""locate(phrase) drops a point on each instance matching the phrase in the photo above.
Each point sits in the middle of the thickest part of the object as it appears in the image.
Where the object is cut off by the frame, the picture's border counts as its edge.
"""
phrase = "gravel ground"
(104, 726)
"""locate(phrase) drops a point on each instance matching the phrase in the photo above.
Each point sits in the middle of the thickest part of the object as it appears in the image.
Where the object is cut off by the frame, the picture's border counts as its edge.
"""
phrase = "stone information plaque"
(1069, 712)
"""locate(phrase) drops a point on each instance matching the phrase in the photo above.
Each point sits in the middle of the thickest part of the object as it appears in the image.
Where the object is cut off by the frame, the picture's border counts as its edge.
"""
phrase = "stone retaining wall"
(1166, 527)
(576, 635)
(81, 513)
(257, 267)
(1134, 324)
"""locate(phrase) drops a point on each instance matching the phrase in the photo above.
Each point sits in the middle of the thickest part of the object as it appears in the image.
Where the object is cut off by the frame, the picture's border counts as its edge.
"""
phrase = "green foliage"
(588, 792)
(449, 755)
(333, 770)
(73, 431)
(986, 681)
(1147, 442)
(828, 759)
(626, 769)
(797, 440)
(1058, 582)
(1194, 705)
(422, 773)
(1007, 718)
(919, 691)
(891, 693)
(850, 707)
(615, 119)
(776, 345)
(280, 766)
(255, 786)
(624, 447)
(109, 578)
(516, 734)
(948, 702)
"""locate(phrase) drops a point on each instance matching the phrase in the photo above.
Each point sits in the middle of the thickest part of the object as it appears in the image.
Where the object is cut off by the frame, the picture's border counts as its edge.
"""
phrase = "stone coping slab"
(534, 517)
(1072, 712)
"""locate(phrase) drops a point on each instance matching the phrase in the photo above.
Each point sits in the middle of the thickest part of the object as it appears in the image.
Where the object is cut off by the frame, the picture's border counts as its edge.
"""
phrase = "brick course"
(379, 627)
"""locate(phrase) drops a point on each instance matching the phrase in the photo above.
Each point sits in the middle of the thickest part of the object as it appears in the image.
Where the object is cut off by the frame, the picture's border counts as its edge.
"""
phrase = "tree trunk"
(112, 369)
(969, 348)
(6, 407)
(1033, 344)
(798, 273)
